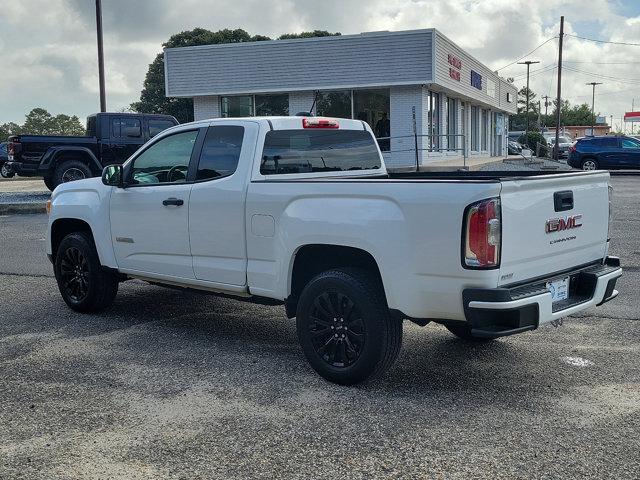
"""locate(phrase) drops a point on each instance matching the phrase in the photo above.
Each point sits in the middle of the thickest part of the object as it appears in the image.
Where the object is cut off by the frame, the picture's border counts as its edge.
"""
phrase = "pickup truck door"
(125, 137)
(217, 203)
(150, 217)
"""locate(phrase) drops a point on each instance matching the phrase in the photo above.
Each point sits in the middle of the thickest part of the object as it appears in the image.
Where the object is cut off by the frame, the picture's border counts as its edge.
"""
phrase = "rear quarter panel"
(411, 228)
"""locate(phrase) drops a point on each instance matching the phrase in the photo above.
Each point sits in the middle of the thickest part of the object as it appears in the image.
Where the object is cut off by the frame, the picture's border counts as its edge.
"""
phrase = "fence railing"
(434, 143)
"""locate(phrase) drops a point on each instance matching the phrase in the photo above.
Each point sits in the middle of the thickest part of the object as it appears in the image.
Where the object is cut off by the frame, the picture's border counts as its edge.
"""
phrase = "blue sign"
(476, 80)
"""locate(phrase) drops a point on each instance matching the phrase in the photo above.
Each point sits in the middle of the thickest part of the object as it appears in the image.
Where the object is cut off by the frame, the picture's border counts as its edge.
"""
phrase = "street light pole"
(593, 100)
(528, 64)
(103, 96)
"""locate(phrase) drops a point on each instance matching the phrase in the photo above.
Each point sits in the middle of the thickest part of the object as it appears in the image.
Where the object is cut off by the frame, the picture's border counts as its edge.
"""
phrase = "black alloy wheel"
(337, 330)
(84, 284)
(74, 273)
(345, 328)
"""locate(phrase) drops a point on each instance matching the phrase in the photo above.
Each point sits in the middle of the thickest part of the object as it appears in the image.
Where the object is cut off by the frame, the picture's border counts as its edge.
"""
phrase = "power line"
(628, 81)
(539, 71)
(526, 55)
(603, 41)
(602, 63)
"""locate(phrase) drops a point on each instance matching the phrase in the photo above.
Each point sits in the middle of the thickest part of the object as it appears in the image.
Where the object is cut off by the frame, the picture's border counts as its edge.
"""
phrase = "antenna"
(315, 99)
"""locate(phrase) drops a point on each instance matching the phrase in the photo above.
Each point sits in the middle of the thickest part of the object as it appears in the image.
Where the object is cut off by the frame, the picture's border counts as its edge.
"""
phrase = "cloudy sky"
(48, 52)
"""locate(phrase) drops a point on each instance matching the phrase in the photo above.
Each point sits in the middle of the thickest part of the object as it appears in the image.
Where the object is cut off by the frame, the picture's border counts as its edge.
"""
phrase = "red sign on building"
(454, 69)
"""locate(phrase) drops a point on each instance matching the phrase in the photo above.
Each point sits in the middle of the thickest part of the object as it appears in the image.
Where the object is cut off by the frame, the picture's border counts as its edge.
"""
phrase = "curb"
(22, 208)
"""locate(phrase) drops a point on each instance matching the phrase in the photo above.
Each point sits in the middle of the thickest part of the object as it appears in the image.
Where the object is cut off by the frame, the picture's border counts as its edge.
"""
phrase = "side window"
(220, 152)
(157, 125)
(166, 161)
(628, 143)
(122, 127)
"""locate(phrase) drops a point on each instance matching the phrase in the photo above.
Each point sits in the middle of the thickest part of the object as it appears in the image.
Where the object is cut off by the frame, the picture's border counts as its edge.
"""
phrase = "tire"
(84, 285)
(4, 171)
(589, 164)
(464, 332)
(70, 170)
(48, 182)
(366, 339)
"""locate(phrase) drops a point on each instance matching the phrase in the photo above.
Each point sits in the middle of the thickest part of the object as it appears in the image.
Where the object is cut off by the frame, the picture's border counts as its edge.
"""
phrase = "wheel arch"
(311, 259)
(62, 227)
(56, 155)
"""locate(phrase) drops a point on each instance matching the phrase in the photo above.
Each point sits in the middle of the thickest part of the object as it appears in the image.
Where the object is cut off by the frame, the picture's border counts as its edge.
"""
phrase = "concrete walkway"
(456, 163)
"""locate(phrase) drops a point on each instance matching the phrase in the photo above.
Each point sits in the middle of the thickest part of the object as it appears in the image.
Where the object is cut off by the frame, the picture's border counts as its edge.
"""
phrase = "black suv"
(111, 138)
(610, 152)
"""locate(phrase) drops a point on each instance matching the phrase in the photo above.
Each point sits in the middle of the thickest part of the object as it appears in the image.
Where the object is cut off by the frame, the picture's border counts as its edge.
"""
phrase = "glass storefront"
(373, 107)
(474, 129)
(334, 103)
(485, 129)
(433, 107)
(272, 104)
(238, 106)
(452, 123)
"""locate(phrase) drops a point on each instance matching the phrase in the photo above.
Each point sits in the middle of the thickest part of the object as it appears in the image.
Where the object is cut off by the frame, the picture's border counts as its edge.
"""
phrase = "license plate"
(559, 289)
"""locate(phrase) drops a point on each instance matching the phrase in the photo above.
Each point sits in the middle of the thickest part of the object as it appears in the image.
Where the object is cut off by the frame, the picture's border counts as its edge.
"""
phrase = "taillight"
(11, 150)
(573, 148)
(319, 123)
(482, 234)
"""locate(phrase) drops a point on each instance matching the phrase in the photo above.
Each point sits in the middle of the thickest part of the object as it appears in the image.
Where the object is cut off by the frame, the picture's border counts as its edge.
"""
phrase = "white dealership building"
(412, 87)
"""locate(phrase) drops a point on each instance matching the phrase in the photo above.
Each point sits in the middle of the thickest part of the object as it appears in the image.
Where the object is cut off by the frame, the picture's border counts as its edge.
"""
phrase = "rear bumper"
(24, 169)
(506, 311)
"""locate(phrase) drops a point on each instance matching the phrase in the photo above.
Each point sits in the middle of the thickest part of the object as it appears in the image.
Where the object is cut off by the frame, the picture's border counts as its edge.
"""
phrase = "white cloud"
(49, 56)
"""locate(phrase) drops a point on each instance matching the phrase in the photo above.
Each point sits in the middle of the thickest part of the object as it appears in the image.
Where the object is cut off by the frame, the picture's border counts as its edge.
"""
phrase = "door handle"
(173, 201)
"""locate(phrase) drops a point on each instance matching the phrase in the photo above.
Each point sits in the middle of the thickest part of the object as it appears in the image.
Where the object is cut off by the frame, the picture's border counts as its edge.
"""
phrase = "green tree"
(8, 129)
(40, 122)
(153, 98)
(522, 101)
(68, 125)
(315, 33)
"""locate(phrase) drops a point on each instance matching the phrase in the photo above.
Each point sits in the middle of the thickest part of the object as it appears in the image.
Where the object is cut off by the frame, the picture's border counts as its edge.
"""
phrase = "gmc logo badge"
(560, 224)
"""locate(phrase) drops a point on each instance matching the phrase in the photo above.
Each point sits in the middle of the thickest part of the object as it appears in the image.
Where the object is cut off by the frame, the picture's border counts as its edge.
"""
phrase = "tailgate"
(543, 232)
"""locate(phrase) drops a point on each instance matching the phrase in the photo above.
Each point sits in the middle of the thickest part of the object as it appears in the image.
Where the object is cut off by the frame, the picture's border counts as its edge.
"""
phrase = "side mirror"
(113, 175)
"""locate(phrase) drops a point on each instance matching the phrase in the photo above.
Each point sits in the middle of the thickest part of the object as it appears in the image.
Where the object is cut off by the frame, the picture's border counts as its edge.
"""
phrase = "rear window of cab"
(321, 150)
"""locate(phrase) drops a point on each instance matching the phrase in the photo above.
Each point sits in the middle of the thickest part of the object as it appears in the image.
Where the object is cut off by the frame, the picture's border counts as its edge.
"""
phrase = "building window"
(239, 106)
(433, 109)
(272, 105)
(491, 88)
(474, 129)
(485, 129)
(334, 103)
(373, 107)
(509, 97)
(452, 123)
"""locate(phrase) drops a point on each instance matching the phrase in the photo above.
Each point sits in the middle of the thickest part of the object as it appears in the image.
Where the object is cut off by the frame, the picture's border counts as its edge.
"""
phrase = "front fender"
(86, 200)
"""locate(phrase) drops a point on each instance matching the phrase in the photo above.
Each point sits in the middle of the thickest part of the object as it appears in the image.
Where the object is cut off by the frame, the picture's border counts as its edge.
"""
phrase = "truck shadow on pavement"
(251, 342)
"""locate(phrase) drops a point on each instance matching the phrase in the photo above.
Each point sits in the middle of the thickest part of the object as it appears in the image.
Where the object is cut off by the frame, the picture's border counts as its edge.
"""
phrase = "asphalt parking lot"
(168, 384)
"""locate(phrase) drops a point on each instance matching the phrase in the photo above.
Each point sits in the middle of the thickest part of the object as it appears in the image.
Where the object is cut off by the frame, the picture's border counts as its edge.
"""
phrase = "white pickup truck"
(301, 211)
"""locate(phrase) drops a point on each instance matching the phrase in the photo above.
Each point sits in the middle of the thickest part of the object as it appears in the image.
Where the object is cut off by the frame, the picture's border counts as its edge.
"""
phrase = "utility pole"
(593, 100)
(546, 104)
(103, 96)
(559, 99)
(528, 64)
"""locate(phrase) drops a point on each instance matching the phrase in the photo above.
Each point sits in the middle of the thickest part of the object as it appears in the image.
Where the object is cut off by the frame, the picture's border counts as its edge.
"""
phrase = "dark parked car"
(564, 144)
(4, 172)
(111, 138)
(514, 148)
(591, 153)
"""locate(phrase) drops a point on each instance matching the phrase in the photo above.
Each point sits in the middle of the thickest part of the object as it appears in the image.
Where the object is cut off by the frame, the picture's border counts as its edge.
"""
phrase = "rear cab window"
(318, 151)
